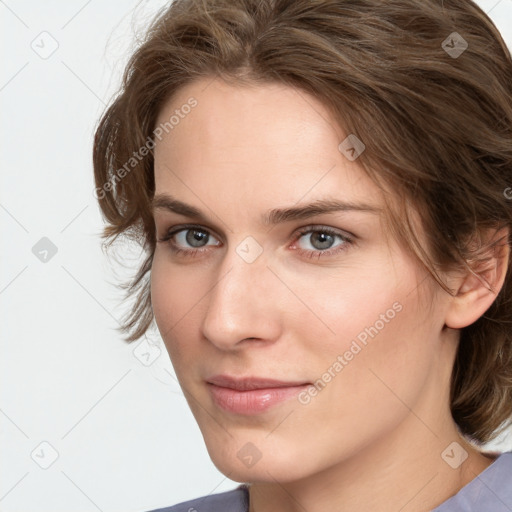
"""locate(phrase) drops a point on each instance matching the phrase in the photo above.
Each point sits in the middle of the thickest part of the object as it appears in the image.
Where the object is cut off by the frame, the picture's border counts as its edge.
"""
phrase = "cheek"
(346, 304)
(175, 297)
(385, 363)
(379, 337)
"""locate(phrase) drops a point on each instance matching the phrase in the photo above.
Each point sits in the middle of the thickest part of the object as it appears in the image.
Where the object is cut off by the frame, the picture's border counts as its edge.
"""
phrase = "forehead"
(269, 143)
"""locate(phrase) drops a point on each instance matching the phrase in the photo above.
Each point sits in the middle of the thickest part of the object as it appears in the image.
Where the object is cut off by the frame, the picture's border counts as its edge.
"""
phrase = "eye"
(321, 240)
(193, 237)
(188, 239)
(312, 241)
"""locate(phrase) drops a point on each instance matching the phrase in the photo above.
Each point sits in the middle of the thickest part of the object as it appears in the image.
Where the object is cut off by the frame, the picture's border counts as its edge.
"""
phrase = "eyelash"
(347, 241)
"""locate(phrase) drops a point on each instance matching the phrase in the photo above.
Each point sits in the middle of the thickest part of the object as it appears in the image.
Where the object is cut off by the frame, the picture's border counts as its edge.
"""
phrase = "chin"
(242, 461)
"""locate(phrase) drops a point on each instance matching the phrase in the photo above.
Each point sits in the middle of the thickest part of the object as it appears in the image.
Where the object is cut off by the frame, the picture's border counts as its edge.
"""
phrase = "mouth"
(251, 395)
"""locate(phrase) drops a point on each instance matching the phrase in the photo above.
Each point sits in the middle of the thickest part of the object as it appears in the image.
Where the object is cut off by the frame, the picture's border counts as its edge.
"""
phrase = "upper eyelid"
(323, 227)
(179, 227)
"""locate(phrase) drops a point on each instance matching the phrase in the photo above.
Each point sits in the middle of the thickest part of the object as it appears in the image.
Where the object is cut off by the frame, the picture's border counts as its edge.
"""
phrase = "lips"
(251, 395)
(250, 383)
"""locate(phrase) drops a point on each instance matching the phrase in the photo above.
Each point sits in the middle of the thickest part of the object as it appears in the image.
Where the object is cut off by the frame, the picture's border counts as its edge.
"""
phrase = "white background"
(125, 438)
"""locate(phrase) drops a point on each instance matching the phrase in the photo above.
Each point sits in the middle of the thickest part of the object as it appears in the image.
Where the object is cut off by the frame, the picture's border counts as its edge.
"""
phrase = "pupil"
(321, 240)
(196, 238)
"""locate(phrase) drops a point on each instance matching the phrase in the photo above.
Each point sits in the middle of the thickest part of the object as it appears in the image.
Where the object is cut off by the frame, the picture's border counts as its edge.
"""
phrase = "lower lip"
(254, 401)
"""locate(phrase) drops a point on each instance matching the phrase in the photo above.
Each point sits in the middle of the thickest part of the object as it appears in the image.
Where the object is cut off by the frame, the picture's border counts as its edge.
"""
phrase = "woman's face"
(265, 285)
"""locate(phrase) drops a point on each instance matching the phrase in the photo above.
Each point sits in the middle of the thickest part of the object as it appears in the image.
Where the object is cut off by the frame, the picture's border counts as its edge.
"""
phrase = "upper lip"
(248, 383)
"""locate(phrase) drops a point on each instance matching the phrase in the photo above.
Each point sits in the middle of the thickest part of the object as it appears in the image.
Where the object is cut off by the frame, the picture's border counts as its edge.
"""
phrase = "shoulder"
(236, 500)
(490, 490)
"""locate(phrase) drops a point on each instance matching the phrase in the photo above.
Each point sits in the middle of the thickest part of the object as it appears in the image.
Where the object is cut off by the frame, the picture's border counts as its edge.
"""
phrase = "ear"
(475, 292)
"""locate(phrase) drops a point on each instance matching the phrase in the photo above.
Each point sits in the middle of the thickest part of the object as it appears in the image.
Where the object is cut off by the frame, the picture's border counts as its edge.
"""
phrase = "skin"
(372, 439)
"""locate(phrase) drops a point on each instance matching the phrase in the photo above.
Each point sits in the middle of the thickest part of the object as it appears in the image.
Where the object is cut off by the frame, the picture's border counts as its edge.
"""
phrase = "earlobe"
(476, 291)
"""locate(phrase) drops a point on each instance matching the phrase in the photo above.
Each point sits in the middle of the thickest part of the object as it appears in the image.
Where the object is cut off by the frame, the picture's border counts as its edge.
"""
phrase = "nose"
(243, 303)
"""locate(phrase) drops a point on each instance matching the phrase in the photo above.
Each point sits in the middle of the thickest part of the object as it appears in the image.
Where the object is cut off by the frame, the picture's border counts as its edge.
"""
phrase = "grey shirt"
(490, 491)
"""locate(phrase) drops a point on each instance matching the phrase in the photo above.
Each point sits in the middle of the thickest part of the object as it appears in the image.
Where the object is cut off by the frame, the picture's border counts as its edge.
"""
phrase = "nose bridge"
(240, 304)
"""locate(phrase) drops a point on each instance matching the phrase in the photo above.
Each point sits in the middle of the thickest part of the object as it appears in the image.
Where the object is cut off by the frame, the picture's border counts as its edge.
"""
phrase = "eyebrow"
(275, 216)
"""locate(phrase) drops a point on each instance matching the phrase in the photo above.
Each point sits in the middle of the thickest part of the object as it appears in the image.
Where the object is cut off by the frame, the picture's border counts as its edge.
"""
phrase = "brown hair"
(435, 116)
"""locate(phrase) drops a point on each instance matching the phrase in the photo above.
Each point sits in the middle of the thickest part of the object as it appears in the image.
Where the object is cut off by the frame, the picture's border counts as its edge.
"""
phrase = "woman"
(323, 192)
